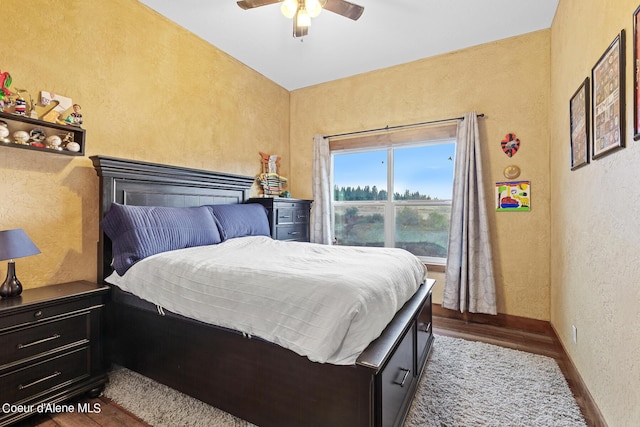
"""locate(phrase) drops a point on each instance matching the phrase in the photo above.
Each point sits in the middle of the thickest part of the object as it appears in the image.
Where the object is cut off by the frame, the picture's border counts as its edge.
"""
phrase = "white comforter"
(324, 302)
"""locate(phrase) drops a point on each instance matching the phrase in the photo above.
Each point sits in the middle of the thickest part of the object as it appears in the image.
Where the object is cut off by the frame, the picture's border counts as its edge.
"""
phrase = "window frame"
(390, 205)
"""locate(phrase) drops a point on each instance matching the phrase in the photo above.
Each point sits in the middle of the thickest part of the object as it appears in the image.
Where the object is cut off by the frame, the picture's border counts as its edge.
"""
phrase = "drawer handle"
(284, 217)
(52, 337)
(404, 377)
(55, 374)
(37, 314)
(424, 326)
(293, 233)
(301, 216)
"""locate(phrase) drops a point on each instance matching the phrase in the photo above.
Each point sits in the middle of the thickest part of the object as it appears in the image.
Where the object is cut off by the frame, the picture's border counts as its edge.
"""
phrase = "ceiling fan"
(303, 10)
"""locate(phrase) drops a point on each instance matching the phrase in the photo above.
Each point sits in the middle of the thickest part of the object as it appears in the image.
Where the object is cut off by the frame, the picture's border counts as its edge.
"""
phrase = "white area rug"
(466, 383)
(469, 383)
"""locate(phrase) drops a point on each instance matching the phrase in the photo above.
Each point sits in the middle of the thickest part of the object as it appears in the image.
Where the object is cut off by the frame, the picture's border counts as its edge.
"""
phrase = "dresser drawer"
(284, 216)
(397, 379)
(286, 203)
(298, 233)
(301, 216)
(34, 379)
(42, 337)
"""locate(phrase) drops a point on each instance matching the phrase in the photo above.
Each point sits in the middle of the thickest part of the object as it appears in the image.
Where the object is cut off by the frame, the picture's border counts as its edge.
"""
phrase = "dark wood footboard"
(269, 385)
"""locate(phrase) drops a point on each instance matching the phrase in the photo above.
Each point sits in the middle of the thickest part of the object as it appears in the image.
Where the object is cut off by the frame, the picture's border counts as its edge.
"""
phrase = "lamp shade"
(16, 244)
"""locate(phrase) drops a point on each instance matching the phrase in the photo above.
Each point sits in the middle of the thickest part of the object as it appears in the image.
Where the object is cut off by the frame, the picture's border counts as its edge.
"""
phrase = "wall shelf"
(16, 123)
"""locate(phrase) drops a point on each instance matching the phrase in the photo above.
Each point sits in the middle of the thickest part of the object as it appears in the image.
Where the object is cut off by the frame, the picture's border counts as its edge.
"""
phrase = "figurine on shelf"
(69, 144)
(75, 118)
(5, 93)
(21, 106)
(4, 132)
(32, 107)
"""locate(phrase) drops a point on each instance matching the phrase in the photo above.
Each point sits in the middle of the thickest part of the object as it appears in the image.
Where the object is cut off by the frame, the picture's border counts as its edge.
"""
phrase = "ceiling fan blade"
(344, 8)
(250, 4)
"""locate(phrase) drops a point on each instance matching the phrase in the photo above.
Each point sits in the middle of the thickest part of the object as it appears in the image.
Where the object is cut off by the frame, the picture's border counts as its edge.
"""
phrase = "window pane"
(361, 225)
(423, 230)
(360, 176)
(424, 172)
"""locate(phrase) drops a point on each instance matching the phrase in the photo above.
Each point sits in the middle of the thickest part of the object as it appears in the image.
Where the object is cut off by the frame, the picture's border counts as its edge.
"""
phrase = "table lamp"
(14, 244)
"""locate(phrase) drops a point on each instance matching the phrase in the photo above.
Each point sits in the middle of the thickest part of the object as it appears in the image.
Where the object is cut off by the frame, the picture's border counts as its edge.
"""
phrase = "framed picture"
(579, 121)
(513, 196)
(607, 80)
(636, 73)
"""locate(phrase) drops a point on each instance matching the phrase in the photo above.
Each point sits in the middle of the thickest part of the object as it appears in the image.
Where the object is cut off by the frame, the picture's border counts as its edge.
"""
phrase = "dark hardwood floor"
(112, 415)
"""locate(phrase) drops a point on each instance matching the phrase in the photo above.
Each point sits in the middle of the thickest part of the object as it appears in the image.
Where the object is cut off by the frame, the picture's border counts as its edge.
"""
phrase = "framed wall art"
(607, 80)
(513, 196)
(579, 122)
(636, 73)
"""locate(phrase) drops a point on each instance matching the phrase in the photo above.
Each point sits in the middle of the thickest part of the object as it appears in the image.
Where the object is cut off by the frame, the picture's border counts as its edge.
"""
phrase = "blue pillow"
(137, 232)
(239, 220)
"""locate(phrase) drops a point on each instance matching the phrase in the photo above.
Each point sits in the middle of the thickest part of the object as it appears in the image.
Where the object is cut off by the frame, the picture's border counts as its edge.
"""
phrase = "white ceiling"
(390, 32)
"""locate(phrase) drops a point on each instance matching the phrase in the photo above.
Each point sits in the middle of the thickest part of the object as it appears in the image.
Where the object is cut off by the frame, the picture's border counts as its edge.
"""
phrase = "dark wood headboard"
(132, 182)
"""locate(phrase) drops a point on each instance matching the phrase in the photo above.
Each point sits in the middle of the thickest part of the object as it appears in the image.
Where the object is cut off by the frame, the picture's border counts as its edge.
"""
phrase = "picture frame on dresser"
(579, 125)
(607, 112)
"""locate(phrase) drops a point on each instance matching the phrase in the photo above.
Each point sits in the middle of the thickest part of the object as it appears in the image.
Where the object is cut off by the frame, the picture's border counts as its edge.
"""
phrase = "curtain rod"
(398, 127)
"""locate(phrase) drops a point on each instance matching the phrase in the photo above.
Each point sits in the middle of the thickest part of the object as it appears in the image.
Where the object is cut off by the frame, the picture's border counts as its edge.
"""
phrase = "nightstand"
(288, 218)
(51, 347)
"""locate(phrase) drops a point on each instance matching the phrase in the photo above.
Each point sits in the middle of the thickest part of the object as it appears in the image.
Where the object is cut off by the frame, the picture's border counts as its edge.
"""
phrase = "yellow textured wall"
(149, 90)
(595, 274)
(508, 81)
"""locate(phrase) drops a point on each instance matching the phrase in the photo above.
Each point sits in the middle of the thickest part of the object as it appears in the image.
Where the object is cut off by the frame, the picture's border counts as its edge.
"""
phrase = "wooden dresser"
(288, 218)
(52, 347)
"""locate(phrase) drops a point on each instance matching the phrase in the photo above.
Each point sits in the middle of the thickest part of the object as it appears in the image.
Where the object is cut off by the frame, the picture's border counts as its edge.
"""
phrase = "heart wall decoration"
(510, 144)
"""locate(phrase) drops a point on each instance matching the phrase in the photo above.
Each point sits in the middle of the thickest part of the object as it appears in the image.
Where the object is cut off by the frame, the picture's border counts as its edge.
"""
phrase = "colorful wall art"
(513, 196)
(510, 144)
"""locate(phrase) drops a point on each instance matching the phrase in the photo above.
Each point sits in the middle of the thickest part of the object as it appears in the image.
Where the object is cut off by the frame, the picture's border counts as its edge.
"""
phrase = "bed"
(247, 376)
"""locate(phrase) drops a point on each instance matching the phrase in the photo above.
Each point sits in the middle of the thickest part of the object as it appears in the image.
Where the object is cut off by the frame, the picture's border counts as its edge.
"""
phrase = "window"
(414, 215)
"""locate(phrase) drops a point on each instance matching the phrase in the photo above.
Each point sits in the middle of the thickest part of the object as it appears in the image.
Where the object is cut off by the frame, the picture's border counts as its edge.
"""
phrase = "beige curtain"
(469, 278)
(321, 230)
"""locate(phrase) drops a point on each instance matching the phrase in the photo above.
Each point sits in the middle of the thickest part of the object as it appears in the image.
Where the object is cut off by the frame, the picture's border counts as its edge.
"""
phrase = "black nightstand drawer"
(43, 337)
(40, 377)
(46, 311)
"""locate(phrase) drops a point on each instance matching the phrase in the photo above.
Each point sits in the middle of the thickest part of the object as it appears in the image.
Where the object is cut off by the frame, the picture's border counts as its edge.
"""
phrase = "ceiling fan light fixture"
(301, 11)
(289, 8)
(313, 7)
(303, 18)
